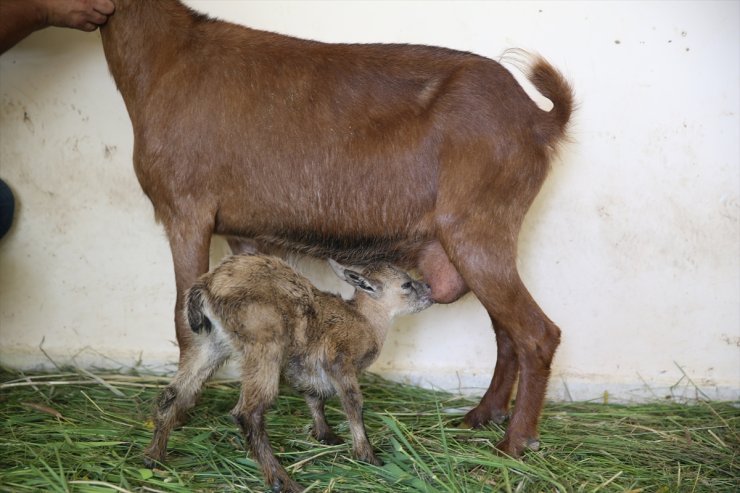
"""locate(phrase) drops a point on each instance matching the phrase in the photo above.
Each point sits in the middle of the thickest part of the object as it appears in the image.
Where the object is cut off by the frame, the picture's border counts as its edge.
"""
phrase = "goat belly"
(308, 379)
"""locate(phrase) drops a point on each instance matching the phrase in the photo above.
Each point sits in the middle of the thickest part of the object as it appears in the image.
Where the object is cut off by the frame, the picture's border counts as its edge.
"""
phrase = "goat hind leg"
(494, 406)
(535, 342)
(200, 355)
(204, 358)
(260, 384)
(534, 339)
(321, 429)
(448, 286)
(486, 258)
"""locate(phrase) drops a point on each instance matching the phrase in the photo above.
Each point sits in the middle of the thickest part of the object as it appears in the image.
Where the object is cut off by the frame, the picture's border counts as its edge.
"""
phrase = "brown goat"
(275, 322)
(425, 157)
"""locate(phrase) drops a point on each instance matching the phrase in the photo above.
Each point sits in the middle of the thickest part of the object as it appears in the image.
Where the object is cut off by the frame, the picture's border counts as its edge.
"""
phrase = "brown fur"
(422, 156)
(275, 322)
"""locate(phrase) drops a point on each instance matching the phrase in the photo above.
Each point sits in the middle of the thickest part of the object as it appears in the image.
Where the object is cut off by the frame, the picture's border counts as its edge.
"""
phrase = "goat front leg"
(348, 388)
(321, 429)
(190, 241)
(251, 421)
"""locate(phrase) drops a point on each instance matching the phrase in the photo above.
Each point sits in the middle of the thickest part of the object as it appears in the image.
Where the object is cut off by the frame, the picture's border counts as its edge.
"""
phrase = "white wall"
(633, 246)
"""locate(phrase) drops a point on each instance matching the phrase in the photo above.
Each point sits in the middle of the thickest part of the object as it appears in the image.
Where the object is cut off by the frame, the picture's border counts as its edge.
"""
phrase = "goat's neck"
(376, 315)
(141, 40)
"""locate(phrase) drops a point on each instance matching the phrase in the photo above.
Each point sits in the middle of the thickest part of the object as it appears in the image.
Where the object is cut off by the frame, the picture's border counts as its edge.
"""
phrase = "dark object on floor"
(7, 208)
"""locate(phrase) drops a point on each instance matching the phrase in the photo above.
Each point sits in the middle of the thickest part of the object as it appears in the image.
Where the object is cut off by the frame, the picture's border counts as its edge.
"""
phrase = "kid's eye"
(406, 285)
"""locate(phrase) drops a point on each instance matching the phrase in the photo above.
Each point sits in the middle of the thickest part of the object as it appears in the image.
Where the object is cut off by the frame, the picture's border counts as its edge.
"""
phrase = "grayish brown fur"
(259, 310)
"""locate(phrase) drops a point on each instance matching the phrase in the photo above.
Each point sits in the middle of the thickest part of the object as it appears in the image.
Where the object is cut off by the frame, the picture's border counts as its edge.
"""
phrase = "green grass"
(85, 433)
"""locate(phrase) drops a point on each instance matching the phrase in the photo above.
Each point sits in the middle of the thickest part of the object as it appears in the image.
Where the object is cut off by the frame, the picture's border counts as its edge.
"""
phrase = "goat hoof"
(478, 418)
(286, 486)
(515, 448)
(473, 419)
(329, 439)
(533, 444)
(372, 459)
(150, 463)
(506, 447)
(376, 462)
(500, 417)
(277, 486)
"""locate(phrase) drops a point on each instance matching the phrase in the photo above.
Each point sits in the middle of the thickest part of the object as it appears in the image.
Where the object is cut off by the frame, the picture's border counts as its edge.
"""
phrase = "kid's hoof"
(372, 459)
(150, 463)
(329, 439)
(376, 462)
(286, 486)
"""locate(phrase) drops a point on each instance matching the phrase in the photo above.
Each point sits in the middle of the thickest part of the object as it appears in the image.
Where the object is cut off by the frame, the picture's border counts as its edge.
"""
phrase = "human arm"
(19, 18)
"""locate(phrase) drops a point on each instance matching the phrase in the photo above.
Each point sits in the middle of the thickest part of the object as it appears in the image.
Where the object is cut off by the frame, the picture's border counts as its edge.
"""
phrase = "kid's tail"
(194, 309)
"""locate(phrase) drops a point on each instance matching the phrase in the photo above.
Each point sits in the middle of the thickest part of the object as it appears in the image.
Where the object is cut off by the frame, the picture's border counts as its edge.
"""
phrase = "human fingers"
(105, 7)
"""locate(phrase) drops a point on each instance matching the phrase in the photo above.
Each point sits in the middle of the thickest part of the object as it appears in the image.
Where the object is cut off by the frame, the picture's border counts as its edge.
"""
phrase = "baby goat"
(277, 323)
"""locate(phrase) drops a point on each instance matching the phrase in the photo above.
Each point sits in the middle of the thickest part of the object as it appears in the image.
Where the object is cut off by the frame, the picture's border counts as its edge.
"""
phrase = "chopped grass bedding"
(86, 432)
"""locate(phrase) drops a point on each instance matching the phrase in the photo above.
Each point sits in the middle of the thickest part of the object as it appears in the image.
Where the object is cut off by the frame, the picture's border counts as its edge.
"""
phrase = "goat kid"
(258, 309)
(423, 157)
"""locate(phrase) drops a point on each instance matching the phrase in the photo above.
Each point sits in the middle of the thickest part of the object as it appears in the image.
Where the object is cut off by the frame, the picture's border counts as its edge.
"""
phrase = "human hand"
(85, 15)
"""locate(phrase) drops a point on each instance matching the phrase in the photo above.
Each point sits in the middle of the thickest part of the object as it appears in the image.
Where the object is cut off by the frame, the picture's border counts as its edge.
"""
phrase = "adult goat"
(425, 157)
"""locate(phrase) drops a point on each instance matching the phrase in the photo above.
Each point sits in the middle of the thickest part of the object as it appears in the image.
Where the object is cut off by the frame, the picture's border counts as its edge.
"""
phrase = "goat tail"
(551, 84)
(195, 309)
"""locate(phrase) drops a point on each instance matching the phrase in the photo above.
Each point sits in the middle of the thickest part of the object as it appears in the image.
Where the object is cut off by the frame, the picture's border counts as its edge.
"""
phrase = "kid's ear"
(361, 282)
(355, 279)
(338, 269)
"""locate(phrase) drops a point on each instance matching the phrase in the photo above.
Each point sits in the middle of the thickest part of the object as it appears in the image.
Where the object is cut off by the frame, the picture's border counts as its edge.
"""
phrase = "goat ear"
(362, 283)
(338, 269)
(355, 279)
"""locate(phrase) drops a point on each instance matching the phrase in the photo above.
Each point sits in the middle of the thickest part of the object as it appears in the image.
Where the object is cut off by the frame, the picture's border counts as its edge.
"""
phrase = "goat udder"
(446, 282)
